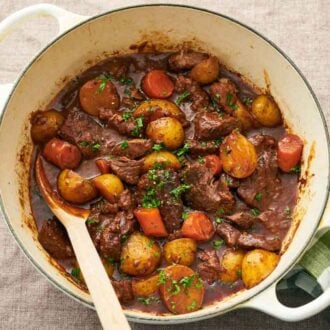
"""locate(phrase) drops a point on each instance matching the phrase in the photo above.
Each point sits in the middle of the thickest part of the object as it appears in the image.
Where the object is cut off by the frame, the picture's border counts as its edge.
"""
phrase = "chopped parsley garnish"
(218, 141)
(125, 81)
(201, 160)
(229, 101)
(158, 146)
(287, 210)
(187, 281)
(127, 115)
(295, 169)
(176, 192)
(152, 175)
(138, 126)
(218, 220)
(124, 145)
(90, 221)
(217, 243)
(258, 196)
(255, 212)
(247, 101)
(150, 243)
(184, 215)
(150, 200)
(192, 306)
(110, 260)
(103, 78)
(148, 301)
(75, 272)
(183, 151)
(220, 211)
(239, 273)
(175, 288)
(182, 97)
(94, 146)
(162, 277)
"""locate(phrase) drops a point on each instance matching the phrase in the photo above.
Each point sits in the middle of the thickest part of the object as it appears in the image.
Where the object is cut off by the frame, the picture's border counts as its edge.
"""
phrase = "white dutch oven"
(238, 47)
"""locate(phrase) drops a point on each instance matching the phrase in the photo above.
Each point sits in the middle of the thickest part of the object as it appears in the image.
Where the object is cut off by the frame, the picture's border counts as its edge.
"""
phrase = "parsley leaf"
(138, 126)
(75, 272)
(183, 151)
(182, 97)
(103, 78)
(90, 221)
(124, 145)
(230, 102)
(158, 146)
(255, 212)
(162, 277)
(192, 306)
(217, 243)
(247, 101)
(125, 81)
(201, 160)
(127, 115)
(296, 169)
(150, 200)
(176, 192)
(258, 196)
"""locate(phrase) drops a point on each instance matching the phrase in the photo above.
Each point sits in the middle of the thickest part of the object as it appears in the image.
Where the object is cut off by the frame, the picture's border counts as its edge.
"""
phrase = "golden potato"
(231, 265)
(74, 188)
(166, 130)
(244, 117)
(206, 71)
(266, 111)
(145, 287)
(155, 108)
(109, 185)
(140, 255)
(45, 125)
(257, 265)
(166, 158)
(238, 155)
(180, 251)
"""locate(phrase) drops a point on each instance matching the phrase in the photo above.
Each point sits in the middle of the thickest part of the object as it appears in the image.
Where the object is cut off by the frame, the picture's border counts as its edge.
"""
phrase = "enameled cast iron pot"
(82, 42)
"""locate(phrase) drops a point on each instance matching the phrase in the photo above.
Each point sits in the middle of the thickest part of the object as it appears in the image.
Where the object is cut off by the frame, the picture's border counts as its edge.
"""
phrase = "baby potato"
(45, 125)
(257, 265)
(266, 111)
(140, 255)
(231, 265)
(206, 71)
(244, 117)
(145, 287)
(238, 155)
(74, 188)
(166, 158)
(180, 251)
(155, 108)
(109, 185)
(166, 130)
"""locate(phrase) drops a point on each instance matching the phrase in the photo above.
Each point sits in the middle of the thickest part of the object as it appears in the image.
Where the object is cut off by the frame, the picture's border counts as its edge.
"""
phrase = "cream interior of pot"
(165, 27)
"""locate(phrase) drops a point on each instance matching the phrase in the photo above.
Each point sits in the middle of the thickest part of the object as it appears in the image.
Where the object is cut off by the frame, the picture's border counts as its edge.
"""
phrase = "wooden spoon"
(104, 297)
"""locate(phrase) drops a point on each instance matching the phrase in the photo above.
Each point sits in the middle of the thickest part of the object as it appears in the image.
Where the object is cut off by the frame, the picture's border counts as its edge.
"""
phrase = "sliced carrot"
(157, 84)
(181, 289)
(198, 226)
(151, 222)
(213, 162)
(289, 150)
(103, 165)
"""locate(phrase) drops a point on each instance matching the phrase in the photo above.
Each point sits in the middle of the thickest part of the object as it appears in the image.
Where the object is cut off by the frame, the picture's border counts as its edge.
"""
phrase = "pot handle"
(315, 263)
(64, 18)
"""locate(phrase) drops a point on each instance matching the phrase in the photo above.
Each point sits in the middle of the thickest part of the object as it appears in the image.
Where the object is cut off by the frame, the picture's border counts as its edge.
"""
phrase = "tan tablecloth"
(300, 28)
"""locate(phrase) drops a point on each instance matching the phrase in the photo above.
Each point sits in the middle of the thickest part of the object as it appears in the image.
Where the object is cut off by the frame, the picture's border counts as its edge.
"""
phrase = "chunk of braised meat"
(124, 290)
(202, 148)
(229, 233)
(205, 193)
(162, 183)
(210, 125)
(116, 121)
(224, 93)
(257, 241)
(128, 170)
(210, 267)
(135, 148)
(113, 230)
(185, 60)
(126, 201)
(263, 187)
(243, 219)
(134, 97)
(276, 222)
(229, 181)
(117, 67)
(92, 140)
(197, 95)
(54, 239)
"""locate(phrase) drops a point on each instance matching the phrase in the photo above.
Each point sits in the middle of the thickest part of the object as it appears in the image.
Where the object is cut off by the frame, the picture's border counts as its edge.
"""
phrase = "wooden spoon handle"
(104, 297)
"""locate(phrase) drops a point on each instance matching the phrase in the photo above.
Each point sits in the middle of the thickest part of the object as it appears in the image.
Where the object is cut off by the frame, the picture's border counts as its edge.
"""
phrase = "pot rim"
(152, 318)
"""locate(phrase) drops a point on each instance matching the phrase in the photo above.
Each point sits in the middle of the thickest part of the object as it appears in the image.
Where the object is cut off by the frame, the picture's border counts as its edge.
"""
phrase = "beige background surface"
(300, 28)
